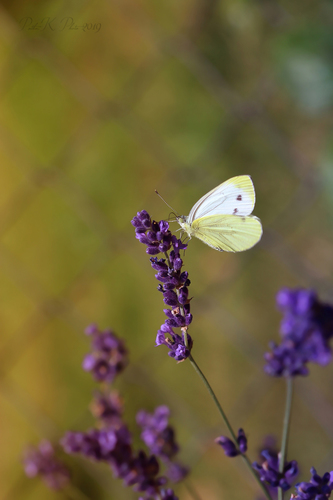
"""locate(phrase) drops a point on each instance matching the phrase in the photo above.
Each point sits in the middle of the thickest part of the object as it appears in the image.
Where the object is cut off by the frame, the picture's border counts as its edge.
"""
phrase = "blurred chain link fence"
(178, 95)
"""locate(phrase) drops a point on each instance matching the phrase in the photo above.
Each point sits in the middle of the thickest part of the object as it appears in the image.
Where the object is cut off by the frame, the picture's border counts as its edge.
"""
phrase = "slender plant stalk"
(216, 401)
(75, 493)
(227, 423)
(285, 432)
(192, 491)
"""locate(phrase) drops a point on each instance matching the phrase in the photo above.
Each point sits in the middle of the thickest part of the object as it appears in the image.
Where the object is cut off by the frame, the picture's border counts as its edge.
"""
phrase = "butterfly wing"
(228, 233)
(234, 196)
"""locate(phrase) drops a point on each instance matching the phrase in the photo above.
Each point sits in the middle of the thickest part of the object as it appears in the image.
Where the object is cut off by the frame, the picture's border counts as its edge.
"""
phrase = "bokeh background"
(174, 96)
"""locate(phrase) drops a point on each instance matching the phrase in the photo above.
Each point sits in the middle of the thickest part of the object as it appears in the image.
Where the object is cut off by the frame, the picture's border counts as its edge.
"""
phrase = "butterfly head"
(182, 221)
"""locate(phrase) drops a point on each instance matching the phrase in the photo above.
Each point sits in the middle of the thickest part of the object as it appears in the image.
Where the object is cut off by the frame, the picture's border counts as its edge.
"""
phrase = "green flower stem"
(227, 423)
(192, 491)
(285, 433)
(74, 493)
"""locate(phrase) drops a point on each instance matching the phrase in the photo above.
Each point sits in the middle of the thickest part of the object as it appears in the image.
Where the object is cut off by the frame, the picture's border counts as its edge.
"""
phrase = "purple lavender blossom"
(269, 470)
(107, 408)
(41, 461)
(113, 446)
(229, 447)
(306, 329)
(159, 437)
(164, 495)
(319, 488)
(173, 283)
(108, 357)
(143, 474)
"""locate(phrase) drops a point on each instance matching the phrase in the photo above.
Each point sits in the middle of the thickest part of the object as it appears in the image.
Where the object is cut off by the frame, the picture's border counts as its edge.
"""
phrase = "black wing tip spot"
(239, 197)
(235, 211)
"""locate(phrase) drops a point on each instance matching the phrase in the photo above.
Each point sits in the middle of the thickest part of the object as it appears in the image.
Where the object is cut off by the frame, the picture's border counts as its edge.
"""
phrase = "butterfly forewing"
(229, 233)
(235, 196)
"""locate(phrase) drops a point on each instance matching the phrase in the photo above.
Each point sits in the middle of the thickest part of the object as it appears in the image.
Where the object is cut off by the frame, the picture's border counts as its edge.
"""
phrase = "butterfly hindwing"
(236, 196)
(229, 233)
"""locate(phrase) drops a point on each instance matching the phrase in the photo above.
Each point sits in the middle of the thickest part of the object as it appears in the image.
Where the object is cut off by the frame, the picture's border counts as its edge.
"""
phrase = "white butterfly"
(222, 219)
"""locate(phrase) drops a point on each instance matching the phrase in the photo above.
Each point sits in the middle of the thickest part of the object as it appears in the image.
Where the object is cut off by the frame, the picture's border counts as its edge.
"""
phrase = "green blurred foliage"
(174, 96)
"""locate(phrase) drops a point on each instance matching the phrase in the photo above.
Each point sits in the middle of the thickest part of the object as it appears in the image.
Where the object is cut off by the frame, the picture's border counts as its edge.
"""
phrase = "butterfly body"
(221, 218)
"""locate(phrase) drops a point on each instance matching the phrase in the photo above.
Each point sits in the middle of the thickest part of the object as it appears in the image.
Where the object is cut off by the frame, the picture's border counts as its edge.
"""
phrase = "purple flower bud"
(269, 470)
(91, 329)
(107, 440)
(88, 362)
(177, 264)
(151, 250)
(228, 446)
(142, 238)
(164, 226)
(136, 222)
(183, 295)
(306, 328)
(170, 298)
(143, 215)
(151, 237)
(319, 488)
(188, 319)
(164, 246)
(108, 357)
(41, 461)
(107, 408)
(177, 472)
(162, 276)
(158, 264)
(242, 441)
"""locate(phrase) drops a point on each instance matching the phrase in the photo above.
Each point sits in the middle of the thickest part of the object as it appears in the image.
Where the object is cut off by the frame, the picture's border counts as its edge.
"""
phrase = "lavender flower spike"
(319, 488)
(306, 330)
(159, 437)
(41, 461)
(269, 470)
(229, 447)
(108, 357)
(173, 283)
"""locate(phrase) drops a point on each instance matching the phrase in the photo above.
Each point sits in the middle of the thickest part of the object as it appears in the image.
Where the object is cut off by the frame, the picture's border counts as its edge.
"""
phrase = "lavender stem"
(285, 433)
(227, 423)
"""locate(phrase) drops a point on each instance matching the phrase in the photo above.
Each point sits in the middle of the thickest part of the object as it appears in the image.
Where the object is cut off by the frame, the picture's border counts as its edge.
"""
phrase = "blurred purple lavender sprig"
(269, 470)
(42, 461)
(174, 282)
(111, 441)
(318, 488)
(114, 447)
(230, 448)
(160, 438)
(306, 330)
(108, 356)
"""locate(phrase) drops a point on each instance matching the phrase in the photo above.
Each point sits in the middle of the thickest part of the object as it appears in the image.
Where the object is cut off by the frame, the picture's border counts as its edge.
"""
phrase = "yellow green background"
(176, 96)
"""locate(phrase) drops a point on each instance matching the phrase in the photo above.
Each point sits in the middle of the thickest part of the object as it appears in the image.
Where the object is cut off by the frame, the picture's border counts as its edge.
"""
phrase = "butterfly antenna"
(158, 194)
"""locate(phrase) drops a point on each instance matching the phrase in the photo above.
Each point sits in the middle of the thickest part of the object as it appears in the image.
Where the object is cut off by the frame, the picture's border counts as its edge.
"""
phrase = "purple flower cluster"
(159, 437)
(173, 282)
(306, 329)
(107, 408)
(229, 447)
(319, 488)
(111, 442)
(41, 461)
(269, 470)
(164, 495)
(108, 357)
(114, 447)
